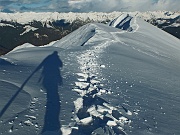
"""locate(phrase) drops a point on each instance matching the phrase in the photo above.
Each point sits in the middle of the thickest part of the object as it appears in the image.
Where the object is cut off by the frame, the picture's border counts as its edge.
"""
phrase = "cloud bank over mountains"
(124, 5)
(88, 5)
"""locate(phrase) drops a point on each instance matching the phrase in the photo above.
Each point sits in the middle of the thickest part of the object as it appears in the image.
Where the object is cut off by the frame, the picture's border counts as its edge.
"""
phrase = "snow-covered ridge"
(27, 17)
(114, 82)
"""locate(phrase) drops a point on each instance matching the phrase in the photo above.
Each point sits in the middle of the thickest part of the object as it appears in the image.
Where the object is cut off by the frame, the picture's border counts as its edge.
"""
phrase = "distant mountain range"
(43, 28)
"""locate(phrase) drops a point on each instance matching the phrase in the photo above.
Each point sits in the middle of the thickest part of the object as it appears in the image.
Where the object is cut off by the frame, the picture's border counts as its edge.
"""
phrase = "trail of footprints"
(93, 112)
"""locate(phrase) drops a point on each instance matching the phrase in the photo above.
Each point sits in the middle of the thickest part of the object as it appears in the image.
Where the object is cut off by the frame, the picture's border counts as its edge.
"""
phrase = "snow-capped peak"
(26, 17)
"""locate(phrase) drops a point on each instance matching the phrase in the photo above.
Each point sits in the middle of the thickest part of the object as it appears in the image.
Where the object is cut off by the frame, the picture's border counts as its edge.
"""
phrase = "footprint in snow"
(93, 112)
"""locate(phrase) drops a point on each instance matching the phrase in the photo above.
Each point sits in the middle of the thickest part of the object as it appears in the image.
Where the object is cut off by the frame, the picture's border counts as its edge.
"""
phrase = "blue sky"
(88, 5)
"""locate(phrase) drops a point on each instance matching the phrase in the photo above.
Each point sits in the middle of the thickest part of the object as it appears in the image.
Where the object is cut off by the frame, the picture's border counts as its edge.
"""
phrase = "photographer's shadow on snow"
(51, 79)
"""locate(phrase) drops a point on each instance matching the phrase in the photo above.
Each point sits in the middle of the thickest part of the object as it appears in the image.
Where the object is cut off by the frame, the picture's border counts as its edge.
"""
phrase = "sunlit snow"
(97, 80)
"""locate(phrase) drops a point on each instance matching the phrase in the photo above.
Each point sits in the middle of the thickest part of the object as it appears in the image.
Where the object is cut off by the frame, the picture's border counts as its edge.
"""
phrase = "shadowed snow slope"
(113, 81)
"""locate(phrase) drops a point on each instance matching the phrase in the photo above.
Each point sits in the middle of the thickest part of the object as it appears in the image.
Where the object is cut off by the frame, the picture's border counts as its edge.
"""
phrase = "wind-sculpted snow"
(97, 80)
(122, 22)
(79, 37)
(42, 28)
(125, 22)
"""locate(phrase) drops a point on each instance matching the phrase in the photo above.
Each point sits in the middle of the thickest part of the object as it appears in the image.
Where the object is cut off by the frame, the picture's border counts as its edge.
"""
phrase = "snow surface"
(111, 81)
(3, 25)
(28, 28)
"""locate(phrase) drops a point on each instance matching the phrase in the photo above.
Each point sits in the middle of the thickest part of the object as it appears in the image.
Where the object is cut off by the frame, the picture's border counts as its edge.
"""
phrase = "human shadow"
(50, 79)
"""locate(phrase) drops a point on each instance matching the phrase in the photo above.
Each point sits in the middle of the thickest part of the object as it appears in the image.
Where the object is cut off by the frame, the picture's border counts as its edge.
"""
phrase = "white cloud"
(91, 5)
(173, 5)
(1, 7)
(124, 5)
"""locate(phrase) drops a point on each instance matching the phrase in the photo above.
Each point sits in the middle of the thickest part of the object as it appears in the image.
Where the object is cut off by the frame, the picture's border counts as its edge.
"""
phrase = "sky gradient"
(88, 5)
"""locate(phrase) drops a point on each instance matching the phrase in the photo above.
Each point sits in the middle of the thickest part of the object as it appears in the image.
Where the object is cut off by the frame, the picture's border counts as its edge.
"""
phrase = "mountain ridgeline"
(15, 34)
(41, 31)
